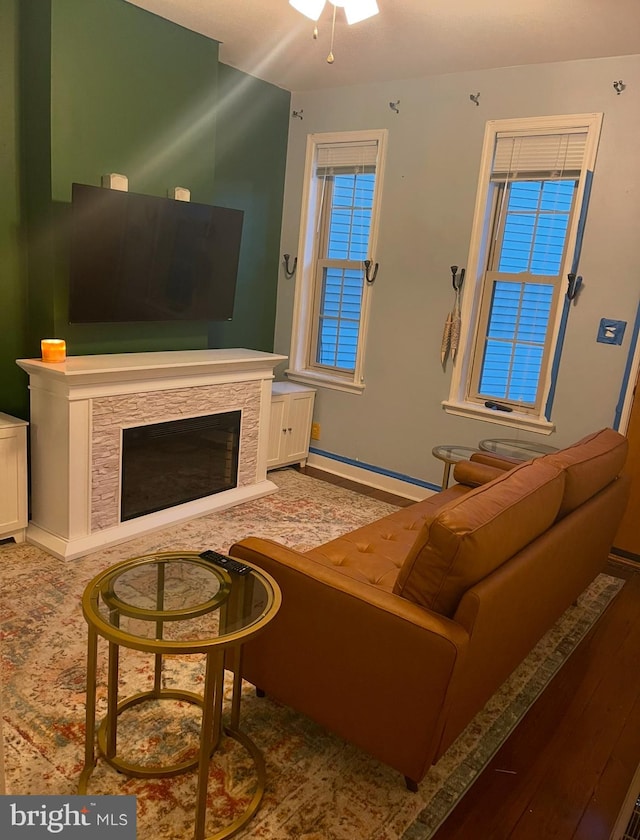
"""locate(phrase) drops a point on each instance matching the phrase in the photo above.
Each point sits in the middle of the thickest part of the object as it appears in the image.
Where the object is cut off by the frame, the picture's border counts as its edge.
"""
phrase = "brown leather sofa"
(395, 635)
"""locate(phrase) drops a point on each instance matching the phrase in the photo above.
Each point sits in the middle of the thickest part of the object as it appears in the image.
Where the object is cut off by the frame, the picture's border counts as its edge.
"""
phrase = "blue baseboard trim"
(372, 468)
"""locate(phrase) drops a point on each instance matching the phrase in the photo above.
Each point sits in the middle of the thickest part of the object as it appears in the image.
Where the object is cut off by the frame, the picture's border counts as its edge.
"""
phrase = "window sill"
(322, 380)
(489, 415)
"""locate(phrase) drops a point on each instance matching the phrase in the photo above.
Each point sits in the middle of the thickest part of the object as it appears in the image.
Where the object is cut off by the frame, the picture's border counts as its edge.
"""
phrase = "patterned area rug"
(318, 787)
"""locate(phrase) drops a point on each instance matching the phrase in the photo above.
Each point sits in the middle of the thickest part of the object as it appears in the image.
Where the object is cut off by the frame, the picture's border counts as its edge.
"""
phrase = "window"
(339, 227)
(527, 233)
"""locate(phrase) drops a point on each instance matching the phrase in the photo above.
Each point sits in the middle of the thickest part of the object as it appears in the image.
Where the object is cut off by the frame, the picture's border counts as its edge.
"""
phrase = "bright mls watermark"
(37, 817)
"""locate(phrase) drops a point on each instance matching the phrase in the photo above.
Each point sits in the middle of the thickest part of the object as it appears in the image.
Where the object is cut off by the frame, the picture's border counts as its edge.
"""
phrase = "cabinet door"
(12, 514)
(298, 425)
(277, 434)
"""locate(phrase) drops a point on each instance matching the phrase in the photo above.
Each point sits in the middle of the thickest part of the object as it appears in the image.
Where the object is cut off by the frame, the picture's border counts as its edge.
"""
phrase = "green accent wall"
(251, 144)
(107, 87)
(13, 298)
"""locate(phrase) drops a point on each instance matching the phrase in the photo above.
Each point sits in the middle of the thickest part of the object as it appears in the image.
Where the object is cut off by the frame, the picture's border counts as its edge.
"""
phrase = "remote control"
(225, 562)
(496, 406)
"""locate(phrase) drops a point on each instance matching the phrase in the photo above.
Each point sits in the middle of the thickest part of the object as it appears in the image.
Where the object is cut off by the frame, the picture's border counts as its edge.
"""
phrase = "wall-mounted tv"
(144, 258)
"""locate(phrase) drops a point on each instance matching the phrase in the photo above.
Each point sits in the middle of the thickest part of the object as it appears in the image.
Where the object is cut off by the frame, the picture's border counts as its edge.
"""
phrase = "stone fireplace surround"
(79, 408)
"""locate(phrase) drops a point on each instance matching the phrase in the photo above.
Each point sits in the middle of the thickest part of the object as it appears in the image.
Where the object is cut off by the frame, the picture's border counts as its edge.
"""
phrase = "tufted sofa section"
(395, 635)
(375, 553)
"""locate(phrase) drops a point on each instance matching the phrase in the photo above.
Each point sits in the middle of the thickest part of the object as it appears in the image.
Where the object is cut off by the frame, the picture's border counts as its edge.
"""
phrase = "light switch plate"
(611, 332)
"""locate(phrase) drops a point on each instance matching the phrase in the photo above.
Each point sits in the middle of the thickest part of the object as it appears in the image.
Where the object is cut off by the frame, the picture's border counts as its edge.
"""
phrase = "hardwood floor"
(565, 771)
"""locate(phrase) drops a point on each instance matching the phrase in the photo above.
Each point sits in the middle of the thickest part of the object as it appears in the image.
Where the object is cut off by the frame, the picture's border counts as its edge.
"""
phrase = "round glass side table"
(175, 603)
(521, 450)
(451, 454)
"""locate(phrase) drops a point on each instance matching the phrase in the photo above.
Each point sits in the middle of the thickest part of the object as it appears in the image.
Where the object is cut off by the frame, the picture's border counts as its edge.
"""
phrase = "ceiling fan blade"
(311, 8)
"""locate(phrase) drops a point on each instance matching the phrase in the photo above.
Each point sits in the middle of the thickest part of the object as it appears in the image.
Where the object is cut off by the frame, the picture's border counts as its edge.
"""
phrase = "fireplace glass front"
(168, 464)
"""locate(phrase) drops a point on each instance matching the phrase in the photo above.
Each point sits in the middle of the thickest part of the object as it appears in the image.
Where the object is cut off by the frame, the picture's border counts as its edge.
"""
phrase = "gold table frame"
(233, 593)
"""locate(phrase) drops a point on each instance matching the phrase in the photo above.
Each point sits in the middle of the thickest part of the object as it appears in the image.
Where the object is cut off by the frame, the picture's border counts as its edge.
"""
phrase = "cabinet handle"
(289, 429)
(284, 431)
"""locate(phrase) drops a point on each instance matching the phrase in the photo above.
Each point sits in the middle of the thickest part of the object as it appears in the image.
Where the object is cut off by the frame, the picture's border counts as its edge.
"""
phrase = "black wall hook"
(367, 271)
(574, 285)
(290, 271)
(457, 279)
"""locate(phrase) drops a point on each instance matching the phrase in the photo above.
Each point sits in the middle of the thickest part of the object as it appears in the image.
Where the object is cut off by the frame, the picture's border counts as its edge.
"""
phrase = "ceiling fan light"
(311, 8)
(357, 10)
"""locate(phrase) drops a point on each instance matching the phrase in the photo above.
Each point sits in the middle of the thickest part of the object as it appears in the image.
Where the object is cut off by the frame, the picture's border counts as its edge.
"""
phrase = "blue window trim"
(627, 372)
(555, 367)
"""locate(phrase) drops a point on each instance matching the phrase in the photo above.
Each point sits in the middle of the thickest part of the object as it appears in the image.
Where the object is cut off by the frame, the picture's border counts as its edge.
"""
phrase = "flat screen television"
(144, 258)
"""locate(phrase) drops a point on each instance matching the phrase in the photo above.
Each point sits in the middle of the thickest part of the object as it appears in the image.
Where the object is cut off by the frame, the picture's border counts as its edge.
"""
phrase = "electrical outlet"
(315, 431)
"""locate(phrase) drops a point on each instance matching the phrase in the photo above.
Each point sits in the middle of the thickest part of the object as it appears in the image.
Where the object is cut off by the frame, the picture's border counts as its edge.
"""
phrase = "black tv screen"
(144, 258)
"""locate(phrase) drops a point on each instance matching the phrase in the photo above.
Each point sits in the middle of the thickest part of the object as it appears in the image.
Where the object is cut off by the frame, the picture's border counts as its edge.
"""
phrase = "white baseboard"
(369, 478)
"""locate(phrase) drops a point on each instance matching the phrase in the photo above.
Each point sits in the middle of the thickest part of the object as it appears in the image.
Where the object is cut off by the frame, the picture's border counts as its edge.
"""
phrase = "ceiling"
(408, 39)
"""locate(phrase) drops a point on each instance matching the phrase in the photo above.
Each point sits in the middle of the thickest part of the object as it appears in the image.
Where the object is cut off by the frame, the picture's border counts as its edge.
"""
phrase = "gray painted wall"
(427, 208)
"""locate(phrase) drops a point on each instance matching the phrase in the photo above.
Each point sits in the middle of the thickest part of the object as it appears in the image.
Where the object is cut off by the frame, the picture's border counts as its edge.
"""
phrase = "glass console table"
(520, 450)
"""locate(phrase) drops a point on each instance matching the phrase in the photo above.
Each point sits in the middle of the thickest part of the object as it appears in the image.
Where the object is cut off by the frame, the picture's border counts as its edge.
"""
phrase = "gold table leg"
(90, 712)
(112, 700)
(211, 720)
(447, 472)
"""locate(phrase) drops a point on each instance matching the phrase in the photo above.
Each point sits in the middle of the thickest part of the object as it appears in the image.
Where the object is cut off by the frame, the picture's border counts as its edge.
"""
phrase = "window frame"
(302, 366)
(493, 275)
(462, 401)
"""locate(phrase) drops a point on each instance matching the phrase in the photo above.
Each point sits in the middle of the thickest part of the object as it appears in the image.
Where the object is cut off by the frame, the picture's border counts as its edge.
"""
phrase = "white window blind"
(334, 158)
(536, 155)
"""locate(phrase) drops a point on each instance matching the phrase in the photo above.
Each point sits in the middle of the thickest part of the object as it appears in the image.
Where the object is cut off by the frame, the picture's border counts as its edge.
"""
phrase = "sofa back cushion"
(473, 535)
(589, 465)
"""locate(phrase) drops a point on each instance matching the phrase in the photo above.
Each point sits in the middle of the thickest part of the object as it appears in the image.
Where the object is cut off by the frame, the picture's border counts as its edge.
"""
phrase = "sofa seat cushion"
(472, 535)
(374, 553)
(589, 465)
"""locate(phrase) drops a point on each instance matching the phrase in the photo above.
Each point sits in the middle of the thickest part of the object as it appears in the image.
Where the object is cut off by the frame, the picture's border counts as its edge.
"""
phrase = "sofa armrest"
(369, 665)
(502, 462)
(473, 474)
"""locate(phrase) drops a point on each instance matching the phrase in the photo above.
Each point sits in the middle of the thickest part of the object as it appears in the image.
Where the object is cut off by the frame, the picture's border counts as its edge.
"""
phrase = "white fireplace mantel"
(119, 372)
(79, 408)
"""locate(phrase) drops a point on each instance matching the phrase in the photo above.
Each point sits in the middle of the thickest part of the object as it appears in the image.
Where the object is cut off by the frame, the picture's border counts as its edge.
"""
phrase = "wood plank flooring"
(565, 771)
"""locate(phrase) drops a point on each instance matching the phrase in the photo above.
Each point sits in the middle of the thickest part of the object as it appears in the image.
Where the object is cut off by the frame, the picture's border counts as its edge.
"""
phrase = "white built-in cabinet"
(13, 477)
(290, 424)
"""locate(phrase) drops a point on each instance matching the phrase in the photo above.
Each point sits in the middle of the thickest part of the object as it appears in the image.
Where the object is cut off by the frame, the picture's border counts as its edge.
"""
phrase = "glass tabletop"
(522, 450)
(177, 599)
(452, 453)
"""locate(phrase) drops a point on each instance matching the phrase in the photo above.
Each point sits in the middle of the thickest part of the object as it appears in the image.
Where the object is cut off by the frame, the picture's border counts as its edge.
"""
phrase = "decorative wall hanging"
(453, 324)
